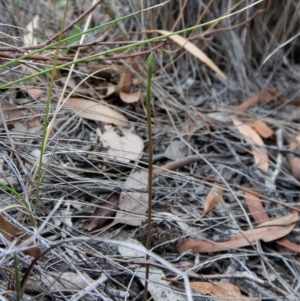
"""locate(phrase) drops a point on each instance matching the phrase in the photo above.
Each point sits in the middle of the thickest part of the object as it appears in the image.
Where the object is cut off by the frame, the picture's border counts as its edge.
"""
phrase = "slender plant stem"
(150, 64)
(47, 110)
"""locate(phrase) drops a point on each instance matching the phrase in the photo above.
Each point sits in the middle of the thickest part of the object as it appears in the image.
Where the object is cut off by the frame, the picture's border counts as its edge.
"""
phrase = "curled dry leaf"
(260, 154)
(225, 291)
(213, 198)
(130, 97)
(267, 231)
(124, 89)
(262, 129)
(133, 204)
(293, 160)
(102, 212)
(10, 231)
(255, 206)
(94, 111)
(125, 82)
(194, 51)
(123, 148)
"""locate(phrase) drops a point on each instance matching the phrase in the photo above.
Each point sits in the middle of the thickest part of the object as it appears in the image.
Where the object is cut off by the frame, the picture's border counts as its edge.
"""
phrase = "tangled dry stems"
(261, 53)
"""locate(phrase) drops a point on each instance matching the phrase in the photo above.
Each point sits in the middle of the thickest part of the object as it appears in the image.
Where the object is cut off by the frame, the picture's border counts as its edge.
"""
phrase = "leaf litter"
(195, 147)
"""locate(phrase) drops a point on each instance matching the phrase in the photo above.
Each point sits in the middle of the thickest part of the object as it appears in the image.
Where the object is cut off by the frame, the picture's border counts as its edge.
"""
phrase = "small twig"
(259, 11)
(71, 58)
(188, 160)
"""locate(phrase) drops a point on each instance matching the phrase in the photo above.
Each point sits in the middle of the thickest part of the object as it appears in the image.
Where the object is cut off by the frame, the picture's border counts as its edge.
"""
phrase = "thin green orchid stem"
(150, 67)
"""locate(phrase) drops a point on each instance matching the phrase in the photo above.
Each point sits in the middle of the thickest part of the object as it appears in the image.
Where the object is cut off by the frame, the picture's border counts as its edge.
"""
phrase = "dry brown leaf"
(218, 289)
(260, 154)
(102, 212)
(264, 96)
(213, 198)
(124, 87)
(134, 204)
(10, 232)
(255, 207)
(35, 92)
(262, 129)
(295, 166)
(267, 231)
(259, 215)
(13, 116)
(293, 160)
(194, 123)
(125, 82)
(125, 148)
(288, 244)
(176, 150)
(249, 102)
(92, 110)
(30, 40)
(130, 97)
(194, 51)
